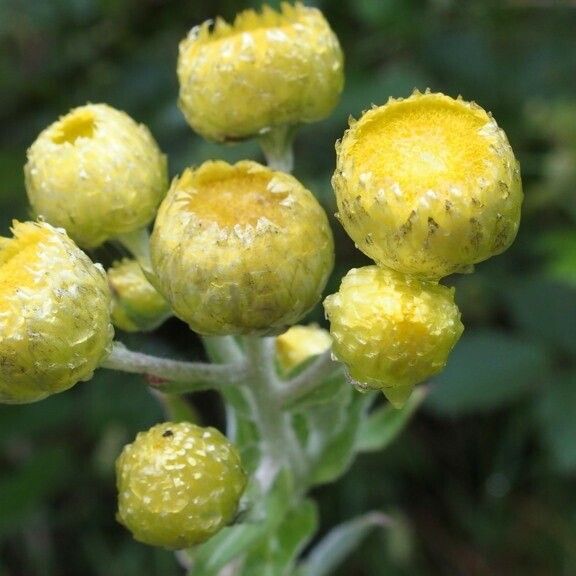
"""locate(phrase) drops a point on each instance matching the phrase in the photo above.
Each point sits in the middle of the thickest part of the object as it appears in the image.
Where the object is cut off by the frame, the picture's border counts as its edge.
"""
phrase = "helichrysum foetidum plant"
(96, 173)
(217, 241)
(54, 313)
(425, 186)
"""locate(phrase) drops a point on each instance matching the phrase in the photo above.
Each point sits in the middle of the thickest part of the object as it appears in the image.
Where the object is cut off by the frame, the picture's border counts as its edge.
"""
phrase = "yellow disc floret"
(96, 173)
(428, 185)
(299, 343)
(265, 70)
(178, 484)
(240, 249)
(136, 304)
(54, 313)
(390, 330)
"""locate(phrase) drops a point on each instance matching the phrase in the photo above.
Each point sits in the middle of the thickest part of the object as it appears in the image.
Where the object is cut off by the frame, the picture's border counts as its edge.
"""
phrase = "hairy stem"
(174, 376)
(280, 447)
(276, 145)
(309, 379)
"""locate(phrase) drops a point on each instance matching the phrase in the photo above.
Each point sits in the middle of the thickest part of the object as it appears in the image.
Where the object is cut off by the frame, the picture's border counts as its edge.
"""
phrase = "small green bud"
(178, 484)
(136, 305)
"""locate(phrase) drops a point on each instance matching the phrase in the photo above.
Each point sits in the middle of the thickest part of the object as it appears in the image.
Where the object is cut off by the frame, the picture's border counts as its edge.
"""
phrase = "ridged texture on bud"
(299, 343)
(392, 331)
(96, 173)
(54, 313)
(267, 69)
(136, 304)
(240, 249)
(178, 484)
(428, 185)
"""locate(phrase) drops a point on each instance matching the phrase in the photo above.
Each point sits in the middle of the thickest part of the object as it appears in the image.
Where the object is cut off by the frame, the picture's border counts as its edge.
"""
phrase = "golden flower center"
(238, 199)
(17, 260)
(426, 144)
(80, 124)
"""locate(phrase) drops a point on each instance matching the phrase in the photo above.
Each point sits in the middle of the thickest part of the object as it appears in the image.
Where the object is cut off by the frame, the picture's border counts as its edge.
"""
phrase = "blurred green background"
(483, 482)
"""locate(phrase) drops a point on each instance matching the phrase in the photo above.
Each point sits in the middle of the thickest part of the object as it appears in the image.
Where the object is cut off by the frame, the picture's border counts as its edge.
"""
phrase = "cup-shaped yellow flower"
(136, 304)
(300, 343)
(390, 330)
(428, 185)
(178, 484)
(265, 70)
(54, 313)
(240, 249)
(96, 173)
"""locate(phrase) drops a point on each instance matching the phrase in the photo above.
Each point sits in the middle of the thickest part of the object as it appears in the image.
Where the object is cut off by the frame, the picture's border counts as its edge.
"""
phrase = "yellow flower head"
(299, 343)
(240, 249)
(428, 185)
(390, 330)
(54, 314)
(136, 305)
(178, 484)
(96, 173)
(267, 69)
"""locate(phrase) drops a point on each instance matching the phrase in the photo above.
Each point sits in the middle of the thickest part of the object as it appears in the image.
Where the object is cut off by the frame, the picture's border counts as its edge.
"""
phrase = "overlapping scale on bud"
(54, 313)
(136, 304)
(178, 484)
(96, 173)
(300, 343)
(240, 249)
(392, 331)
(428, 185)
(266, 69)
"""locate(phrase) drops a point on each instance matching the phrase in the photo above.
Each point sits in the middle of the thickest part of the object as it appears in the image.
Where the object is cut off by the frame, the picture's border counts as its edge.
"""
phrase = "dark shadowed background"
(483, 482)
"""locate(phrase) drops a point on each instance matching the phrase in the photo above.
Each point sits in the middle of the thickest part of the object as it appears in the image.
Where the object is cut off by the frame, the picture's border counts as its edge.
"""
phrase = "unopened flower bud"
(428, 185)
(54, 313)
(240, 249)
(299, 343)
(96, 173)
(266, 69)
(136, 304)
(178, 484)
(392, 331)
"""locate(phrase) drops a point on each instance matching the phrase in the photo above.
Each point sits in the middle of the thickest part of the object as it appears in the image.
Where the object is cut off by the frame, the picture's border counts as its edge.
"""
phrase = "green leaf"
(333, 389)
(487, 370)
(554, 415)
(339, 543)
(339, 440)
(386, 423)
(278, 554)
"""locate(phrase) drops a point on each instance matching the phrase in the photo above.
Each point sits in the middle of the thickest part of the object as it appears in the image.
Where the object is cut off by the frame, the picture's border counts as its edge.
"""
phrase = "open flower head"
(96, 173)
(54, 313)
(300, 343)
(178, 484)
(136, 304)
(240, 249)
(266, 69)
(390, 330)
(428, 185)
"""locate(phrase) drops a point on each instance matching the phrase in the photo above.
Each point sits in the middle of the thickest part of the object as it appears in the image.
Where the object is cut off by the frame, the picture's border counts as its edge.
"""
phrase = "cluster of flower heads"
(425, 186)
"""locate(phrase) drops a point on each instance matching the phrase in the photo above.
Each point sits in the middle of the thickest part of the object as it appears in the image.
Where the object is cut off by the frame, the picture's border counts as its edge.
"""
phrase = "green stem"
(137, 243)
(309, 379)
(276, 145)
(280, 447)
(176, 377)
